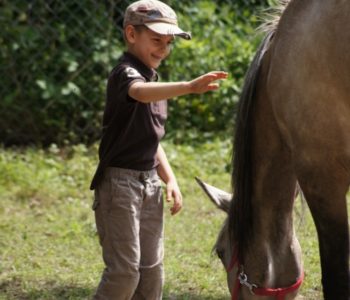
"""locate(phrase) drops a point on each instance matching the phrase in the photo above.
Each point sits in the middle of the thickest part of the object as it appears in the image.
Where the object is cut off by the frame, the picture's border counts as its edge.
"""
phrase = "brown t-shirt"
(131, 129)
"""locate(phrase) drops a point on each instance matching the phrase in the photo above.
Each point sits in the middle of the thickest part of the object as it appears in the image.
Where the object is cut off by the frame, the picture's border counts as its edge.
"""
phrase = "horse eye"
(220, 253)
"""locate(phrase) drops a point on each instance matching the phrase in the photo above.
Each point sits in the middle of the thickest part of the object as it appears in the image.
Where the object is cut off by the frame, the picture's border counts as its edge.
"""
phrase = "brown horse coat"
(293, 126)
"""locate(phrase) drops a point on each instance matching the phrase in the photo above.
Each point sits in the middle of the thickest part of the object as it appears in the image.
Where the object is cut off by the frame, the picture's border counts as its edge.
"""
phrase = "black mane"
(240, 214)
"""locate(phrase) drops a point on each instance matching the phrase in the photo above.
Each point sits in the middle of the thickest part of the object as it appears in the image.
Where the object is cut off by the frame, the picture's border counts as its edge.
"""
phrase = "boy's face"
(148, 46)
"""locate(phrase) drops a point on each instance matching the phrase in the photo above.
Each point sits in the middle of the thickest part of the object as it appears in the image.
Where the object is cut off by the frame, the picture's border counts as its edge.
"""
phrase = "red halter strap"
(279, 293)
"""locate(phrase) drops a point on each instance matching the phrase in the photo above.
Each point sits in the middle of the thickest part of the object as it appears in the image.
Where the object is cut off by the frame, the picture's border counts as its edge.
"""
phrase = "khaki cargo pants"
(129, 218)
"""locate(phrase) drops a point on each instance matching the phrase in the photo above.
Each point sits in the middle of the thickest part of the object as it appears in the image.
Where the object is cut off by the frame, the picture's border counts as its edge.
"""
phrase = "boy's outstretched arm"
(167, 175)
(156, 91)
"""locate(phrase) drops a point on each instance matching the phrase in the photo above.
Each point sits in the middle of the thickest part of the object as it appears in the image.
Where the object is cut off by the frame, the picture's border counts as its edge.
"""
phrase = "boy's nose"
(163, 47)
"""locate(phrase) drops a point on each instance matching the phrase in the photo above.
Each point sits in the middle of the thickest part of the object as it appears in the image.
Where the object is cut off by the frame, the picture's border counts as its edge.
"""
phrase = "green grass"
(48, 243)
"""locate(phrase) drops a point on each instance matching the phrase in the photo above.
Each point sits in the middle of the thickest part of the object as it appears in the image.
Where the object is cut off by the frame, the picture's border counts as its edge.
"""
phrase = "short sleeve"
(127, 75)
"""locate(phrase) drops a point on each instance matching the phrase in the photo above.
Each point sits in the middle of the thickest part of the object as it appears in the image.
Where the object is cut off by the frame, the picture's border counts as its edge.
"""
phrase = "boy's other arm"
(155, 91)
(167, 175)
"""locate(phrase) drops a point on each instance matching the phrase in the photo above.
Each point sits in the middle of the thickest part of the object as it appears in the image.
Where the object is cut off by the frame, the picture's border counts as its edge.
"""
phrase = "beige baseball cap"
(155, 15)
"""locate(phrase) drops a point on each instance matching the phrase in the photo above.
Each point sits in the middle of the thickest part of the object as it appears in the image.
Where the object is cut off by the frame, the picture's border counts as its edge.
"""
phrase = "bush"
(58, 55)
(223, 39)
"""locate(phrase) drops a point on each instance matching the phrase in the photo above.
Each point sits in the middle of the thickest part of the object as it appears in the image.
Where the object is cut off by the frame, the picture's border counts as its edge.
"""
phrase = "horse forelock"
(240, 214)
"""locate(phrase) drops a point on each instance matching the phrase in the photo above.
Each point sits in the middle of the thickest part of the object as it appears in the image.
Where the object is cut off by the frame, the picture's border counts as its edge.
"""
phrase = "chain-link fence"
(56, 55)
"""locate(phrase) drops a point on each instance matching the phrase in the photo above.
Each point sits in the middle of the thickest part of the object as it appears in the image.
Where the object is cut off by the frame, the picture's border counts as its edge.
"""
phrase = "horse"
(292, 131)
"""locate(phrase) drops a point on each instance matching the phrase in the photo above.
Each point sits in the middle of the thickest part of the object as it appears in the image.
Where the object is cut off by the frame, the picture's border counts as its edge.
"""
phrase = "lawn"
(48, 243)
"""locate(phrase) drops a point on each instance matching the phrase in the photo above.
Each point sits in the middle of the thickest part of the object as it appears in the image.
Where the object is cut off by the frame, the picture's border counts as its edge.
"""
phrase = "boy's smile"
(150, 47)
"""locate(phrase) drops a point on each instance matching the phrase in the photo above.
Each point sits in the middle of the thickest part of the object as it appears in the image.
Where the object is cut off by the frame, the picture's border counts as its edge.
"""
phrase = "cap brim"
(168, 29)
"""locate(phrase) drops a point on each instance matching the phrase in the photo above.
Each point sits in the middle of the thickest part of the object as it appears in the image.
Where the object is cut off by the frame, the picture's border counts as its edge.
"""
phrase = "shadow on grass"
(16, 289)
(187, 296)
(191, 295)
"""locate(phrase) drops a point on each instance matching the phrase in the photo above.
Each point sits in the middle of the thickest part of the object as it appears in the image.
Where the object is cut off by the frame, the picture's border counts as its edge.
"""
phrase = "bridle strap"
(236, 289)
(279, 293)
(234, 262)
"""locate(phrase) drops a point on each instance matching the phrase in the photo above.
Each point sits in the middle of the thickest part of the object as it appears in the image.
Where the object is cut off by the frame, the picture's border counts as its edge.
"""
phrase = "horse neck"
(274, 247)
(260, 217)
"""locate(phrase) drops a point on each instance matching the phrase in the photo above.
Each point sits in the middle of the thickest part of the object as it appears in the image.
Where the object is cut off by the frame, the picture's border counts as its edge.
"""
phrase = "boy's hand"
(173, 192)
(205, 83)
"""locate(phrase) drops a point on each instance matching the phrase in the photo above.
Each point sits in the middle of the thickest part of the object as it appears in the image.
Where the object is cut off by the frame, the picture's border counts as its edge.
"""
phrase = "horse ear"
(220, 198)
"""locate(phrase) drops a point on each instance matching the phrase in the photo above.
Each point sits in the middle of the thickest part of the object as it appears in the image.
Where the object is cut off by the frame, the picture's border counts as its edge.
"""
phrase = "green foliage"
(48, 244)
(223, 39)
(57, 56)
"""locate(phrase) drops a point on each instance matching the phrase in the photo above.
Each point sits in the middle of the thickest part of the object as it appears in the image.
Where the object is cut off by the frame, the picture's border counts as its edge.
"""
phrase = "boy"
(128, 200)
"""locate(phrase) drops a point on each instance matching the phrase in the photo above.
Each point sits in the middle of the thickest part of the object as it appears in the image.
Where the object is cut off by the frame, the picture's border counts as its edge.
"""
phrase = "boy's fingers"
(175, 209)
(213, 86)
(168, 195)
(177, 205)
(219, 74)
(209, 77)
(215, 76)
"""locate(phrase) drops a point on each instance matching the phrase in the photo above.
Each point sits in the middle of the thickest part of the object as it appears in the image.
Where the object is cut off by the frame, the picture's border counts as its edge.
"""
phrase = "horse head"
(228, 254)
(223, 248)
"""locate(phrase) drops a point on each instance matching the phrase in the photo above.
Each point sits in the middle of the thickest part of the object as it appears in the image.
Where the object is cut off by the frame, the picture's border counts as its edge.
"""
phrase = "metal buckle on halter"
(243, 279)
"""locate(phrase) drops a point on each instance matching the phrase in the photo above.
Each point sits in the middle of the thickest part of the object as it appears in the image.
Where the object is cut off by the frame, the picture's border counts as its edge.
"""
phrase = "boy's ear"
(129, 32)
